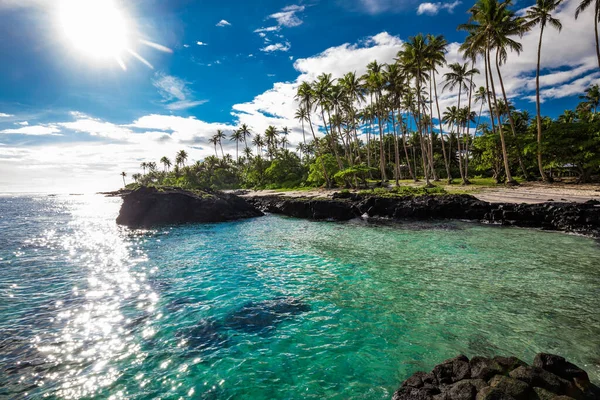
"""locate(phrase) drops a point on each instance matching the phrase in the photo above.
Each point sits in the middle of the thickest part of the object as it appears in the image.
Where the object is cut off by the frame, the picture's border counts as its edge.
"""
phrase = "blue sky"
(71, 120)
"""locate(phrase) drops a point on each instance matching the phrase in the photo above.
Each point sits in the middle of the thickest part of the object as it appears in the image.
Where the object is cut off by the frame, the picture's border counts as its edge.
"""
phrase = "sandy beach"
(529, 192)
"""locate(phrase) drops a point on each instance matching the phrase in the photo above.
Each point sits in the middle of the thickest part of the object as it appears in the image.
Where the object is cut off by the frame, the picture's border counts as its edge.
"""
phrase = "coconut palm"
(301, 116)
(259, 143)
(375, 83)
(151, 166)
(306, 98)
(245, 132)
(143, 166)
(166, 163)
(592, 97)
(490, 25)
(541, 14)
(271, 139)
(220, 135)
(569, 116)
(414, 58)
(123, 175)
(236, 136)
(437, 58)
(284, 131)
(214, 141)
(461, 77)
(581, 8)
(182, 157)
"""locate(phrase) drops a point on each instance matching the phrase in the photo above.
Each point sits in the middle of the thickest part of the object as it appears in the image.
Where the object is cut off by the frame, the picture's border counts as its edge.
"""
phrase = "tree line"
(387, 124)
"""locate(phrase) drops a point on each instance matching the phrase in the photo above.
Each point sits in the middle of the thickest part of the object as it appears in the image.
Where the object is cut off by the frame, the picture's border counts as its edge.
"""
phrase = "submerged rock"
(205, 335)
(147, 206)
(262, 316)
(500, 378)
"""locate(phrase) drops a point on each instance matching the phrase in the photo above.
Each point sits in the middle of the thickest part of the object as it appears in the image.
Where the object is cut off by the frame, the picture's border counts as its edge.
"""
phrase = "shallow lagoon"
(336, 310)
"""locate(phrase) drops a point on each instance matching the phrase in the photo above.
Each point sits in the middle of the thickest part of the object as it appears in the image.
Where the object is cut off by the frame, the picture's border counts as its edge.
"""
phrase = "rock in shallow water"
(263, 316)
(500, 378)
(147, 207)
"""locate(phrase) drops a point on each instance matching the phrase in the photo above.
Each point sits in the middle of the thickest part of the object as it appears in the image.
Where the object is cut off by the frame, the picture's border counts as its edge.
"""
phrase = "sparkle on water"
(89, 309)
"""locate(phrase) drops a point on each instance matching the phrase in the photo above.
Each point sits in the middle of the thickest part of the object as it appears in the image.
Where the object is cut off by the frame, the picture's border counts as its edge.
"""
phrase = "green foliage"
(315, 175)
(404, 191)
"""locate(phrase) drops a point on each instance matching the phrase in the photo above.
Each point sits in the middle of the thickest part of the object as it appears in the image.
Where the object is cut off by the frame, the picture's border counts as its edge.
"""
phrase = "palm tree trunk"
(410, 169)
(317, 150)
(435, 177)
(459, 137)
(420, 128)
(437, 103)
(396, 152)
(381, 144)
(538, 111)
(510, 117)
(237, 158)
(596, 18)
(509, 179)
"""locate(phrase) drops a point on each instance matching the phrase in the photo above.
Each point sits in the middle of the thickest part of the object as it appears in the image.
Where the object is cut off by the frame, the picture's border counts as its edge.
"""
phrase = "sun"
(97, 28)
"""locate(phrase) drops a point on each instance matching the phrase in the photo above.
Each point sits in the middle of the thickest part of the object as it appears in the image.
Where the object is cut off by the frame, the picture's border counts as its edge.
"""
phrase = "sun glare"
(95, 27)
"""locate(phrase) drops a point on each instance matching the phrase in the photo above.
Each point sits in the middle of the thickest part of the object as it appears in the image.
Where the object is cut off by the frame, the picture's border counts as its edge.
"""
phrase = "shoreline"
(527, 192)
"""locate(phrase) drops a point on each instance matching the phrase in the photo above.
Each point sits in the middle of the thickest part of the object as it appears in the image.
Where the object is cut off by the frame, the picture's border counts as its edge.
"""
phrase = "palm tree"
(490, 25)
(236, 136)
(271, 139)
(581, 8)
(259, 143)
(375, 83)
(301, 116)
(152, 166)
(569, 116)
(123, 174)
(248, 153)
(182, 156)
(306, 98)
(214, 140)
(540, 14)
(413, 57)
(220, 135)
(144, 165)
(166, 162)
(245, 132)
(460, 76)
(285, 131)
(592, 97)
(437, 58)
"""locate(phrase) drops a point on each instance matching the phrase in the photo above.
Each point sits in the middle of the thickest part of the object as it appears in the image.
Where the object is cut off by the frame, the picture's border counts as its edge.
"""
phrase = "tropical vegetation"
(386, 125)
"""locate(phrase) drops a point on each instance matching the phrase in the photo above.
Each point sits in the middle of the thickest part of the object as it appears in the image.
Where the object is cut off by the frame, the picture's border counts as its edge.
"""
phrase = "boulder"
(560, 367)
(538, 377)
(484, 368)
(149, 206)
(514, 387)
(452, 370)
(490, 393)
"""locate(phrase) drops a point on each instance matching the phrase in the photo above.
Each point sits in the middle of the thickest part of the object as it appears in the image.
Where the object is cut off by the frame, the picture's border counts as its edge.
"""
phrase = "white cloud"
(223, 23)
(186, 45)
(96, 127)
(374, 7)
(287, 16)
(201, 43)
(35, 130)
(277, 47)
(3, 115)
(267, 29)
(175, 92)
(23, 123)
(434, 8)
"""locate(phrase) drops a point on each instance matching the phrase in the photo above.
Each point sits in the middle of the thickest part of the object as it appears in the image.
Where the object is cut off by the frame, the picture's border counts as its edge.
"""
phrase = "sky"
(89, 90)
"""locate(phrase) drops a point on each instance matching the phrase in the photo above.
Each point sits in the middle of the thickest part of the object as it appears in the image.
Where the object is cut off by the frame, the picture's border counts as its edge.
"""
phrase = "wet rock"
(147, 207)
(561, 367)
(490, 393)
(206, 335)
(254, 317)
(484, 368)
(452, 370)
(538, 377)
(514, 387)
(550, 378)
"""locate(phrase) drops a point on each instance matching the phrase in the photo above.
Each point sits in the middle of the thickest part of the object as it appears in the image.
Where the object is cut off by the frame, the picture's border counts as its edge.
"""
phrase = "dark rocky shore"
(578, 218)
(500, 378)
(146, 207)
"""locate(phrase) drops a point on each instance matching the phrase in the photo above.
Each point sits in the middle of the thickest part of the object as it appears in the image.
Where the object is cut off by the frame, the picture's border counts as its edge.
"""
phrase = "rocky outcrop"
(146, 207)
(550, 377)
(570, 217)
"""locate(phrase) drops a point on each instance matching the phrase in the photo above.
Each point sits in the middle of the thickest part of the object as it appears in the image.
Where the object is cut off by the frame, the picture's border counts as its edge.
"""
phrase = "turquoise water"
(345, 310)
